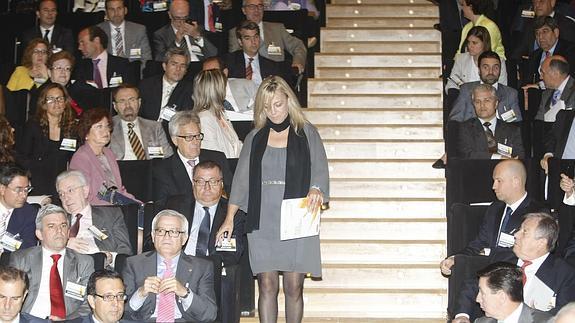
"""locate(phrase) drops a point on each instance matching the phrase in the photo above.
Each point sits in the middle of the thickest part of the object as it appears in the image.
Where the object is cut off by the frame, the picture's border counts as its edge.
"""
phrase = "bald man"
(503, 217)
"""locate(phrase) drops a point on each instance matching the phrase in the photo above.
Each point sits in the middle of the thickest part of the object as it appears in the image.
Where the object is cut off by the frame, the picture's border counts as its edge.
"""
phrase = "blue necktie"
(203, 234)
(506, 217)
(556, 97)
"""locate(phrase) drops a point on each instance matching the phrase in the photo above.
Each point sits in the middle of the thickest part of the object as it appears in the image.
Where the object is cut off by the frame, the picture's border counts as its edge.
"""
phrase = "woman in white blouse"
(209, 99)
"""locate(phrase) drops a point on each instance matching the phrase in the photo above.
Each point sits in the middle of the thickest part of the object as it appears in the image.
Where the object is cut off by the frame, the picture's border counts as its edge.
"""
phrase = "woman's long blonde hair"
(210, 92)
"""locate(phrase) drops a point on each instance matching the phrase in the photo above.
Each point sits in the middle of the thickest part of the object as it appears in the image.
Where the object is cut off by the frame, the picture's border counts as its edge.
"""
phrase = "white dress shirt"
(529, 291)
(167, 89)
(42, 305)
(189, 168)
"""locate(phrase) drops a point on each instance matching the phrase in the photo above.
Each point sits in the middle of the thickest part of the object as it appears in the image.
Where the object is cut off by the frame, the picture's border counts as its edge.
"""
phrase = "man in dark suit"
(133, 137)
(489, 70)
(247, 63)
(16, 215)
(549, 282)
(60, 38)
(166, 285)
(501, 296)
(94, 229)
(182, 33)
(52, 262)
(503, 216)
(207, 200)
(110, 70)
(170, 89)
(485, 137)
(173, 176)
(13, 290)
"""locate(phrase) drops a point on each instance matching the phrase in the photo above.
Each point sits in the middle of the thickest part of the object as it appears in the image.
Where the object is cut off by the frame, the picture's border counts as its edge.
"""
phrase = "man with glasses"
(183, 33)
(58, 275)
(174, 175)
(58, 37)
(17, 217)
(206, 211)
(166, 285)
(133, 137)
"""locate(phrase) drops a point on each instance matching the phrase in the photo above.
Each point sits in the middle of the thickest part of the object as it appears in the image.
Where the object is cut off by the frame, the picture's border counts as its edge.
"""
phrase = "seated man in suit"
(51, 263)
(501, 296)
(183, 33)
(17, 217)
(489, 69)
(94, 229)
(275, 39)
(549, 282)
(133, 137)
(485, 137)
(125, 38)
(503, 216)
(99, 68)
(58, 37)
(206, 211)
(106, 296)
(174, 175)
(168, 90)
(166, 285)
(566, 314)
(559, 91)
(247, 63)
(13, 290)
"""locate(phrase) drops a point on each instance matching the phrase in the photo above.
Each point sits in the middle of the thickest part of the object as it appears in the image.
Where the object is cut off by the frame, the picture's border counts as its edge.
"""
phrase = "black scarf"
(298, 168)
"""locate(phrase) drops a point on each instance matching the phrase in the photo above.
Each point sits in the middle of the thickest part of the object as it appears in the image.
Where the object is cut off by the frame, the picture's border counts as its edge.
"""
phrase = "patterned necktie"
(135, 143)
(249, 70)
(203, 234)
(491, 142)
(525, 264)
(97, 76)
(166, 301)
(119, 42)
(75, 227)
(46, 33)
(211, 18)
(57, 305)
(3, 223)
(556, 96)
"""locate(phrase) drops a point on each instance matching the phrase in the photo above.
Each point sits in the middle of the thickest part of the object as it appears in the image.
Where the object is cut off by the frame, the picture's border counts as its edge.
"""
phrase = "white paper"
(296, 222)
(539, 295)
(240, 116)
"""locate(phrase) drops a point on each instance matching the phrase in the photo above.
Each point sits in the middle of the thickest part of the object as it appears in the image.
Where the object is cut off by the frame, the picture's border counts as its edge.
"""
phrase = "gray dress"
(267, 252)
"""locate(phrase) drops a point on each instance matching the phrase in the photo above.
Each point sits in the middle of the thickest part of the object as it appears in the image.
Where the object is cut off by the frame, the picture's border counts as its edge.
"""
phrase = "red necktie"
(211, 19)
(525, 264)
(57, 305)
(75, 227)
(249, 70)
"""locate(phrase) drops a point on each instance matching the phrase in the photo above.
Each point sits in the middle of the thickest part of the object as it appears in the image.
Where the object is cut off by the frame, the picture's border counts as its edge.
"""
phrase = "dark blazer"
(27, 318)
(61, 38)
(237, 67)
(568, 96)
(77, 268)
(528, 315)
(463, 109)
(120, 66)
(554, 272)
(90, 319)
(110, 220)
(195, 273)
(151, 95)
(472, 142)
(165, 38)
(563, 48)
(23, 222)
(170, 177)
(489, 229)
(557, 137)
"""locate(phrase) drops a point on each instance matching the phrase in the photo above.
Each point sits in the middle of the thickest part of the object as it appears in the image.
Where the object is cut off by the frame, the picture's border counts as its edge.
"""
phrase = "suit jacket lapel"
(500, 209)
(118, 137)
(480, 134)
(146, 135)
(35, 265)
(180, 174)
(526, 315)
(70, 270)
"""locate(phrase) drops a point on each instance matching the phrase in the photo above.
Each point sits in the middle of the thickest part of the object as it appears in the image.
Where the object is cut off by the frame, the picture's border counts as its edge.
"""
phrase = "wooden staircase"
(376, 99)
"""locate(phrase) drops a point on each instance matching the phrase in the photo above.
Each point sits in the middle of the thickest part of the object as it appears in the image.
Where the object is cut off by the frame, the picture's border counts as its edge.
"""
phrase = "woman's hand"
(314, 200)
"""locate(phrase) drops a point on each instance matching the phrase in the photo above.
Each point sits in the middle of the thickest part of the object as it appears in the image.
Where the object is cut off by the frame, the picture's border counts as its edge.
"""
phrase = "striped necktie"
(166, 301)
(249, 70)
(119, 42)
(135, 143)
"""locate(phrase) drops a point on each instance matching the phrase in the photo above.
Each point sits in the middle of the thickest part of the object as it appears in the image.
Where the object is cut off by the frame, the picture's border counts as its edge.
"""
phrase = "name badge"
(218, 25)
(68, 144)
(196, 49)
(136, 53)
(40, 80)
(294, 6)
(506, 240)
(504, 150)
(10, 242)
(160, 6)
(56, 50)
(98, 234)
(75, 291)
(167, 113)
(509, 116)
(115, 81)
(155, 152)
(527, 13)
(485, 252)
(274, 50)
(227, 245)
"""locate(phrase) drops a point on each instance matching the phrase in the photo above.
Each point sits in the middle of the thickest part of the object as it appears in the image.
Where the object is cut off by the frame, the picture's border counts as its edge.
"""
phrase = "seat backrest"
(469, 181)
(465, 268)
(463, 222)
(137, 178)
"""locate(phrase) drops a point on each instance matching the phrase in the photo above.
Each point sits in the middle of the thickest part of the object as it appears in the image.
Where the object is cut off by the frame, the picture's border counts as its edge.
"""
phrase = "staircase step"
(392, 169)
(380, 34)
(374, 2)
(380, 60)
(374, 117)
(379, 149)
(369, 86)
(385, 208)
(407, 188)
(392, 229)
(374, 101)
(389, 22)
(380, 132)
(382, 251)
(329, 319)
(335, 72)
(382, 10)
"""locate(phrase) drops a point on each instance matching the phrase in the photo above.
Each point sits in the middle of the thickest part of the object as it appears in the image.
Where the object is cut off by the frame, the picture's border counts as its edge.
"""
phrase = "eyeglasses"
(53, 100)
(125, 102)
(254, 7)
(68, 191)
(212, 181)
(189, 138)
(66, 69)
(120, 297)
(40, 51)
(171, 233)
(20, 190)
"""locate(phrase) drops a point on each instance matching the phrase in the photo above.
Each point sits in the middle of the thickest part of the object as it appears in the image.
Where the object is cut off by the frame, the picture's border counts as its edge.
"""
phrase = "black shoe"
(439, 164)
(437, 27)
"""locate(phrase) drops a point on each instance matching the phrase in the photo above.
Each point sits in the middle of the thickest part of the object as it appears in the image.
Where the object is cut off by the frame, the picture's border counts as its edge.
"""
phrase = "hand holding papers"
(297, 221)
